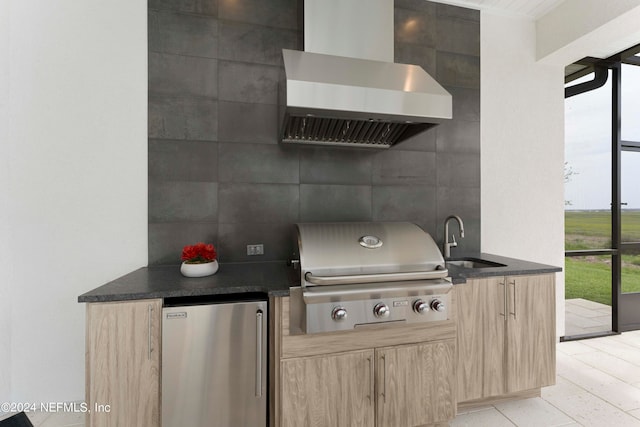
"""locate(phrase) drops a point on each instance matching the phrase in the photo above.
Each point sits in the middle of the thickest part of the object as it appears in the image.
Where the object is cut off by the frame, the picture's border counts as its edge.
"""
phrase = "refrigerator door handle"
(259, 353)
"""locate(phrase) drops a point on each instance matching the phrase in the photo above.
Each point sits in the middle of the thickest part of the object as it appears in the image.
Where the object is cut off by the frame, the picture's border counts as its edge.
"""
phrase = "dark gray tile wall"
(216, 170)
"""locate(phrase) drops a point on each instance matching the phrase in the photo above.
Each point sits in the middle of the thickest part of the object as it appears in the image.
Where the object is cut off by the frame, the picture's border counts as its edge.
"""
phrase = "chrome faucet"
(447, 245)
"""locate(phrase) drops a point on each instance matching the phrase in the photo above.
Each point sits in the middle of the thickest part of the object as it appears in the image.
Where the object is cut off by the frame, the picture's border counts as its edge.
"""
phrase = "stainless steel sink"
(474, 263)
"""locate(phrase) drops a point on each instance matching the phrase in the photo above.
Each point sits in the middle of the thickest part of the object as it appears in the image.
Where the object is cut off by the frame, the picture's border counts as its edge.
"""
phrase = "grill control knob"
(437, 305)
(420, 307)
(381, 310)
(339, 313)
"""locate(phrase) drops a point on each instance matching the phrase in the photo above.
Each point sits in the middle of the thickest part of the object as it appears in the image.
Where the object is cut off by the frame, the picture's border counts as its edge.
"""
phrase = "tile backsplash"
(217, 172)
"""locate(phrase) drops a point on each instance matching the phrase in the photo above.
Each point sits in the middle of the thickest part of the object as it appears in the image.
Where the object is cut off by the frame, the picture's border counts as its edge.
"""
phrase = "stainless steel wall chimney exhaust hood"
(345, 89)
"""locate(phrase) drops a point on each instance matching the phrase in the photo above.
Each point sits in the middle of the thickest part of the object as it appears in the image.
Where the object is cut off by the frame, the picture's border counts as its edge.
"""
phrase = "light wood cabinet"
(471, 304)
(329, 391)
(123, 363)
(407, 383)
(506, 335)
(415, 384)
(481, 337)
(531, 333)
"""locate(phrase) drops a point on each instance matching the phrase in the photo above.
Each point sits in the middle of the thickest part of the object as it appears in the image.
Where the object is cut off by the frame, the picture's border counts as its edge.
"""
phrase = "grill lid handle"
(376, 278)
(370, 242)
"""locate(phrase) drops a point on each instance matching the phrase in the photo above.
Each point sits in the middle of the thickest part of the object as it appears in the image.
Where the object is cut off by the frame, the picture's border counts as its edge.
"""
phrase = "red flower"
(209, 252)
(199, 253)
(189, 252)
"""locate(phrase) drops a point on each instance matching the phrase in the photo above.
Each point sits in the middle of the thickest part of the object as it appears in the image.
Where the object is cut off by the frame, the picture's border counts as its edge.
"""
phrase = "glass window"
(630, 102)
(630, 275)
(588, 168)
(630, 196)
(630, 221)
(587, 295)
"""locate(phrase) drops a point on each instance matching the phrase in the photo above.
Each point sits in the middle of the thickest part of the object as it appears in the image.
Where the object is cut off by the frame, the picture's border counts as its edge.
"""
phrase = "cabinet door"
(415, 384)
(531, 332)
(328, 391)
(123, 363)
(493, 356)
(480, 308)
(469, 298)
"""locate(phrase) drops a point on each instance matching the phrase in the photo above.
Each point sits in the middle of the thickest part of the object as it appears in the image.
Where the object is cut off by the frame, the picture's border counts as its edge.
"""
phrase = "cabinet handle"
(150, 308)
(504, 301)
(259, 353)
(371, 380)
(514, 299)
(384, 379)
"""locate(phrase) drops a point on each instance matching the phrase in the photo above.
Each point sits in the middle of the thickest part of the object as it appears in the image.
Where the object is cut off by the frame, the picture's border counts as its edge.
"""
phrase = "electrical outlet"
(255, 249)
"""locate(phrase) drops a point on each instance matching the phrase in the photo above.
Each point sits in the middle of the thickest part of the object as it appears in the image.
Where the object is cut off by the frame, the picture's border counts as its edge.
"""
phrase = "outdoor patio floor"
(585, 317)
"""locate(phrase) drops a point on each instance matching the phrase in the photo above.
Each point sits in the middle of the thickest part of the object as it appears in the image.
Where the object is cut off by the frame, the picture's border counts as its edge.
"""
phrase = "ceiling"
(533, 9)
(536, 9)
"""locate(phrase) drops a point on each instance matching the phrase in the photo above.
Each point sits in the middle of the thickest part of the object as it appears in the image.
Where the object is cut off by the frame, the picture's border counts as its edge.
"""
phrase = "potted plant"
(199, 260)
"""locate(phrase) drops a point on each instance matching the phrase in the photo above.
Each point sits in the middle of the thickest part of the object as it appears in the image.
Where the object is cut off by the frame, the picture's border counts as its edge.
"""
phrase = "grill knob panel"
(420, 307)
(381, 310)
(339, 313)
(437, 305)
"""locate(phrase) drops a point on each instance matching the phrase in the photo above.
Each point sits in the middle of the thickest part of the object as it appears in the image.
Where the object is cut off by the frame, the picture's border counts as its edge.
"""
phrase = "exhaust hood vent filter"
(338, 131)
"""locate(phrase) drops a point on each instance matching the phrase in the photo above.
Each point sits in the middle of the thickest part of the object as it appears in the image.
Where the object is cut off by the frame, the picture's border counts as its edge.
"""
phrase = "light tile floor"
(57, 419)
(584, 317)
(598, 384)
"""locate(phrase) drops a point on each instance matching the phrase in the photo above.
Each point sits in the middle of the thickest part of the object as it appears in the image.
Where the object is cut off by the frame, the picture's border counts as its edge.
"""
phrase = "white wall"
(5, 265)
(522, 134)
(75, 159)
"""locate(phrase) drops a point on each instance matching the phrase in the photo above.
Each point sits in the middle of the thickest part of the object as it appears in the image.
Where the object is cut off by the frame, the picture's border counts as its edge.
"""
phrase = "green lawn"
(590, 277)
(588, 223)
(588, 280)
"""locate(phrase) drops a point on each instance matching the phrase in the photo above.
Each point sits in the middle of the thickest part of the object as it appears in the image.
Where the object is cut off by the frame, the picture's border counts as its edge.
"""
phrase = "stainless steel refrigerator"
(214, 365)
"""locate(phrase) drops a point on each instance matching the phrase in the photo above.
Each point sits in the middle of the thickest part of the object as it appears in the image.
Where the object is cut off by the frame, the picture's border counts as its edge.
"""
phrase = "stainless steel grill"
(367, 274)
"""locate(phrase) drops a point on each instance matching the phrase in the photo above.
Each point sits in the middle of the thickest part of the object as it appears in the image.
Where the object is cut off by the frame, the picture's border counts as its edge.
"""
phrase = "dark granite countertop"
(513, 267)
(269, 278)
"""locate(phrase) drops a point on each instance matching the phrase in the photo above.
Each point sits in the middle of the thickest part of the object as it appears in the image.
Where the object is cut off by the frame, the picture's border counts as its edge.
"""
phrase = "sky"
(588, 144)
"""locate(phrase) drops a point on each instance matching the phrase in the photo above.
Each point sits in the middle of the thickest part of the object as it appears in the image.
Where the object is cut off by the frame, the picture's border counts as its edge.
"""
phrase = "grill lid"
(361, 252)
